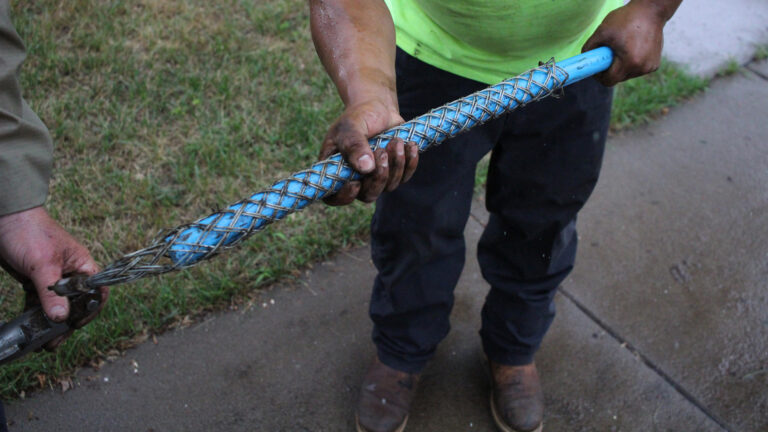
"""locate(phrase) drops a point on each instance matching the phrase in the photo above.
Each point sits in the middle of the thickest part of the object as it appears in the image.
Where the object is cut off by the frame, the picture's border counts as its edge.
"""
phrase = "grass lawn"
(161, 110)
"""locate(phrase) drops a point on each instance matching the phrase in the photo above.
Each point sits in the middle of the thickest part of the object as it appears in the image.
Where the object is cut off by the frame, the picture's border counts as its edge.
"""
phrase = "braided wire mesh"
(191, 243)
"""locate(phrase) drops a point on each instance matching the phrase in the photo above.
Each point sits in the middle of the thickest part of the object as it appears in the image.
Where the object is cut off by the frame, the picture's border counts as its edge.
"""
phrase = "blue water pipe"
(201, 239)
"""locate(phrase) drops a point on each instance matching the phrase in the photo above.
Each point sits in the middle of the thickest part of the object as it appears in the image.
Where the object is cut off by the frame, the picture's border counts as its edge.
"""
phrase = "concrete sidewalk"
(706, 35)
(662, 326)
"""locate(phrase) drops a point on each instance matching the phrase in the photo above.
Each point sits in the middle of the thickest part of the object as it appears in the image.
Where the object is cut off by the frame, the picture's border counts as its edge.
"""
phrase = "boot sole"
(359, 428)
(501, 424)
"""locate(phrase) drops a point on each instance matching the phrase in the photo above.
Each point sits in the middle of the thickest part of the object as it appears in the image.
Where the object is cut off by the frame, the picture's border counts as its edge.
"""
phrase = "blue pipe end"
(586, 64)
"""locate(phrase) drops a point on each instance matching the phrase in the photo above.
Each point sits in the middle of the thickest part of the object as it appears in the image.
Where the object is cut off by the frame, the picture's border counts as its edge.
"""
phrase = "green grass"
(161, 110)
(729, 69)
(642, 99)
(761, 53)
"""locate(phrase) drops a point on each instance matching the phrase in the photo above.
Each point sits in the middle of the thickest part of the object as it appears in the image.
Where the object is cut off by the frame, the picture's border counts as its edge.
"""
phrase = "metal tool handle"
(32, 330)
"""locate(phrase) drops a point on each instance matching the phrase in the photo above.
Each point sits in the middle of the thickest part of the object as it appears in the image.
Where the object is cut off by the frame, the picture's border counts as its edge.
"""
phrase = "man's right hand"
(382, 169)
(355, 40)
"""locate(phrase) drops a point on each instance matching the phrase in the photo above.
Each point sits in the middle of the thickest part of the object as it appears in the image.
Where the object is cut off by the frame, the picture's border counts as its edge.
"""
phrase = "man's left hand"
(635, 34)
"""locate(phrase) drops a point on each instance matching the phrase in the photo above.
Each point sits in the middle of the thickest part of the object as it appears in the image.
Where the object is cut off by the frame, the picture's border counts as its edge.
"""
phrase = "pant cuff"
(397, 363)
(508, 357)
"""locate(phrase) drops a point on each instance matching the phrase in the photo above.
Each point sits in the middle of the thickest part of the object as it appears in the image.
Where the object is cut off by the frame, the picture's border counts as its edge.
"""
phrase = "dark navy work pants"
(544, 164)
(3, 421)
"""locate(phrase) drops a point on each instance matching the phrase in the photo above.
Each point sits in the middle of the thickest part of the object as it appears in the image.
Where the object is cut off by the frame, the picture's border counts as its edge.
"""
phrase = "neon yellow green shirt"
(490, 40)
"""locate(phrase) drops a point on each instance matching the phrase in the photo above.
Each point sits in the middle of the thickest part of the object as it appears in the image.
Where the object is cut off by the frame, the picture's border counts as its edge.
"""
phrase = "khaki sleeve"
(26, 148)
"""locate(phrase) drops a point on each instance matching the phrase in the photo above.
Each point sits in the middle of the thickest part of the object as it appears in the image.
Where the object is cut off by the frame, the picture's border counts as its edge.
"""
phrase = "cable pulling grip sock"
(191, 243)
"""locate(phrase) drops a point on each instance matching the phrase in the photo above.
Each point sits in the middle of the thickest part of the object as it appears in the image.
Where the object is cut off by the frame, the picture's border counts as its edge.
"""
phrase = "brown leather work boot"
(385, 399)
(517, 403)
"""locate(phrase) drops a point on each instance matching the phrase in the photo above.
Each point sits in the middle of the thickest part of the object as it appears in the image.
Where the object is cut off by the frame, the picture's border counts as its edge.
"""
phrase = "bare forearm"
(664, 8)
(355, 40)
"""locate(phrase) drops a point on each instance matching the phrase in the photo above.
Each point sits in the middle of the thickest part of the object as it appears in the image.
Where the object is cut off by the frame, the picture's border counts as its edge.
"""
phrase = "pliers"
(31, 330)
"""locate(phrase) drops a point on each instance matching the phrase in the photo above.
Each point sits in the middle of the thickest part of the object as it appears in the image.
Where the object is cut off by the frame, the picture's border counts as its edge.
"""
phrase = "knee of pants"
(509, 257)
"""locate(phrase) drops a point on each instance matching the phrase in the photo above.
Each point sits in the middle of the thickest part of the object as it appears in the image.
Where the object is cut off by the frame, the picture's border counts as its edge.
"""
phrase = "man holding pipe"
(395, 59)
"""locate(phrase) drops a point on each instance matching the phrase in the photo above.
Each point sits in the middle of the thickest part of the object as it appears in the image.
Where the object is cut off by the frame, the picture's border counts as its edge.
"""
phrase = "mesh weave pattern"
(194, 242)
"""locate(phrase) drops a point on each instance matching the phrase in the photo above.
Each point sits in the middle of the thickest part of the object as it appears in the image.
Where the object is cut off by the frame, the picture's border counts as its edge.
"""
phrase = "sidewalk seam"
(631, 348)
(757, 72)
(477, 219)
(647, 361)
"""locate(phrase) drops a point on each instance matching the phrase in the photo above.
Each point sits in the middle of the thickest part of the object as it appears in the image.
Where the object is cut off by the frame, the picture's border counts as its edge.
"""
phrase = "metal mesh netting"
(194, 242)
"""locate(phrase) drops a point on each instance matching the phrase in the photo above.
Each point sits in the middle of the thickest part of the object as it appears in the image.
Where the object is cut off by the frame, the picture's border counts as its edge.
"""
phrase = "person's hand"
(36, 250)
(634, 33)
(383, 169)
